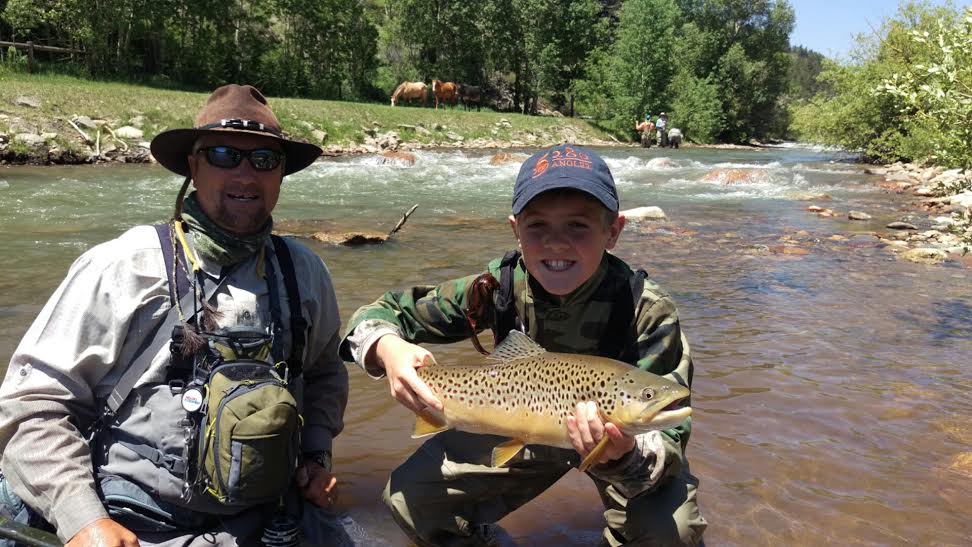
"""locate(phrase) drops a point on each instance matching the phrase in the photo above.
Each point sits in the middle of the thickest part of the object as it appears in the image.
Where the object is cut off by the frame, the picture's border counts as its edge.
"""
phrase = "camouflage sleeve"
(663, 350)
(420, 314)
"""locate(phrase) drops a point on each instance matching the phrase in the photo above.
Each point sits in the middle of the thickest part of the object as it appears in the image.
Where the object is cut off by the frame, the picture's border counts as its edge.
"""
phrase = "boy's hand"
(585, 429)
(400, 359)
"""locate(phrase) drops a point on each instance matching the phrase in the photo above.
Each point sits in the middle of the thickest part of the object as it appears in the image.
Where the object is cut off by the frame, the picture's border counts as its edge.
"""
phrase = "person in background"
(661, 127)
(645, 130)
(570, 295)
(182, 385)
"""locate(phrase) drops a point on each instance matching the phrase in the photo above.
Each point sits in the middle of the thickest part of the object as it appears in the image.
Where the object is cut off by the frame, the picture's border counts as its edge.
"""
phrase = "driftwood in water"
(348, 239)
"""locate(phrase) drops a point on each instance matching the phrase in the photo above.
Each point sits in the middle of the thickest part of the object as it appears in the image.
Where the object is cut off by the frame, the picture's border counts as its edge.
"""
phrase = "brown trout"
(529, 392)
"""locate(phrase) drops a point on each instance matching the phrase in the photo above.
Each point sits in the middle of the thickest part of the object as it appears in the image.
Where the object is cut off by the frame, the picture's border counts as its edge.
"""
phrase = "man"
(158, 339)
(661, 126)
(645, 130)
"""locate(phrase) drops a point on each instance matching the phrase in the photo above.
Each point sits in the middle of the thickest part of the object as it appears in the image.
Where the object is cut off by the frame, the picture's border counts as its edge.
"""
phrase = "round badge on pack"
(192, 400)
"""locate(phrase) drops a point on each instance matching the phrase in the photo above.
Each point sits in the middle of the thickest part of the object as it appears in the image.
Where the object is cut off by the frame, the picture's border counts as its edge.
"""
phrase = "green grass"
(63, 97)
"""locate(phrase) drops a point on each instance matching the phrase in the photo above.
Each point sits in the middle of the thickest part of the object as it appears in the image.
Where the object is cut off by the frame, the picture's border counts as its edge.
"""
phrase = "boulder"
(651, 212)
(129, 132)
(30, 102)
(925, 255)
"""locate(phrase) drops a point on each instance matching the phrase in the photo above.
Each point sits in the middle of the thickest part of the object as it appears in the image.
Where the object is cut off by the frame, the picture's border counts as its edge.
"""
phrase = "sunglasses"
(227, 157)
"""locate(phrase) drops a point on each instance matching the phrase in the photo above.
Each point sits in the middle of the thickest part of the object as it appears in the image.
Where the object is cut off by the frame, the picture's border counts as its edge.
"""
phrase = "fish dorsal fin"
(516, 345)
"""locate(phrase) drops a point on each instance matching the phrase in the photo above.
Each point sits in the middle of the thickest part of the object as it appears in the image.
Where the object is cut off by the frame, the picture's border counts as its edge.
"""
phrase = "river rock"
(129, 132)
(651, 212)
(788, 250)
(32, 140)
(454, 137)
(858, 215)
(84, 122)
(962, 464)
(319, 136)
(728, 177)
(963, 200)
(392, 157)
(925, 255)
(506, 158)
(899, 225)
(30, 102)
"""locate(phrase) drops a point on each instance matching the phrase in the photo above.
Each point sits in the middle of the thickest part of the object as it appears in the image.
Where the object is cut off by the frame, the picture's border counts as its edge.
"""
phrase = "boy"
(570, 295)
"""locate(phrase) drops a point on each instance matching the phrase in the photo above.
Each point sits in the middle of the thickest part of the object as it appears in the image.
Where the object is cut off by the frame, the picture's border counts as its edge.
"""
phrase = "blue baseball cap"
(564, 166)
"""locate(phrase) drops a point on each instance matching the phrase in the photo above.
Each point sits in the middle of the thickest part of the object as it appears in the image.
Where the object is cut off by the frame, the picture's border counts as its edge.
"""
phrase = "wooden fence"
(31, 48)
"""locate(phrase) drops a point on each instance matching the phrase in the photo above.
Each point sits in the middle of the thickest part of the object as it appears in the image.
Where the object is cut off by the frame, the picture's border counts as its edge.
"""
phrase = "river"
(832, 380)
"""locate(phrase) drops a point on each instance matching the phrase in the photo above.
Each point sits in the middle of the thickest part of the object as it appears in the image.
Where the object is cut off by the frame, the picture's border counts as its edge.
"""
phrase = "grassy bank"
(347, 125)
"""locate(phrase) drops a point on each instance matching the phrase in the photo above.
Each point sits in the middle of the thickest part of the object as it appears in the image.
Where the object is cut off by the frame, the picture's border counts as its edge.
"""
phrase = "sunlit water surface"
(831, 389)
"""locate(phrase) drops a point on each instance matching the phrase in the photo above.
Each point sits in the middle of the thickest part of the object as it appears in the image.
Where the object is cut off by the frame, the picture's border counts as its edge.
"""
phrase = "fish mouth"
(671, 415)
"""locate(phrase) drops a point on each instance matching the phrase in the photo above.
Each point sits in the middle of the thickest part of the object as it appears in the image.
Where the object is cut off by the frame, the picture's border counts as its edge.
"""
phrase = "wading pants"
(446, 491)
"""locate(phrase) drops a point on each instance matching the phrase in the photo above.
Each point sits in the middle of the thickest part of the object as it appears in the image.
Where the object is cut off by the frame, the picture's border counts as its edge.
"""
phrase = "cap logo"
(568, 157)
(541, 165)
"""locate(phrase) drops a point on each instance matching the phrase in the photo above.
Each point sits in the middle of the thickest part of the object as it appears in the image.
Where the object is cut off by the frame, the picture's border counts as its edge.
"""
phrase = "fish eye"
(647, 393)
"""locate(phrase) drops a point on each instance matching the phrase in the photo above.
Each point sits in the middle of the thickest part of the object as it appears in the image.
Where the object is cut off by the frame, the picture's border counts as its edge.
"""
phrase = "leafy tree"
(632, 77)
(805, 66)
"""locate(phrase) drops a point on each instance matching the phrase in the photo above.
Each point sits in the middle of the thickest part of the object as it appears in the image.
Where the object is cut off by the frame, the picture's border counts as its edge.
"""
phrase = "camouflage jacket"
(571, 324)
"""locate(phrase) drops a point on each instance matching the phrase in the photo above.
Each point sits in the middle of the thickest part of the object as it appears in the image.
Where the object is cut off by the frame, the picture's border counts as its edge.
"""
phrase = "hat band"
(237, 123)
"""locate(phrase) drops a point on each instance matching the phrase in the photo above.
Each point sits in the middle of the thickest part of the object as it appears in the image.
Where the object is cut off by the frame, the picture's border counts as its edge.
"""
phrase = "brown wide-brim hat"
(231, 108)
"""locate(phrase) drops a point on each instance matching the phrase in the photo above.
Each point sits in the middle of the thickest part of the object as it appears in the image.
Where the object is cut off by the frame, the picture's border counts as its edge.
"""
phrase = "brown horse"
(444, 92)
(410, 91)
(469, 94)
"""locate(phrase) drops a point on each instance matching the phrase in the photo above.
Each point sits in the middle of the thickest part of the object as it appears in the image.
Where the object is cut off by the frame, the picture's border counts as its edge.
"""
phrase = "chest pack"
(617, 341)
(231, 396)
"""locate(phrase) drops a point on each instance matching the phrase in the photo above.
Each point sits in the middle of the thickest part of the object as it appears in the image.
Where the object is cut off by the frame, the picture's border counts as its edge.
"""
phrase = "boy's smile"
(563, 236)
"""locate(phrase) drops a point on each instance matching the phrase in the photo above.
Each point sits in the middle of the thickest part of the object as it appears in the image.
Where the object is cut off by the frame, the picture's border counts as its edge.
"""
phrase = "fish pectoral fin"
(505, 452)
(595, 454)
(429, 422)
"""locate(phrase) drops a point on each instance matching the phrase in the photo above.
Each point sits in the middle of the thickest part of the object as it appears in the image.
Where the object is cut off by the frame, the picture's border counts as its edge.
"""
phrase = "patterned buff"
(216, 244)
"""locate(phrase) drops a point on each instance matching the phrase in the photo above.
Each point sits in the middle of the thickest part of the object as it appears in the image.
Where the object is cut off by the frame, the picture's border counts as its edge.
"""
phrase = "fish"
(526, 393)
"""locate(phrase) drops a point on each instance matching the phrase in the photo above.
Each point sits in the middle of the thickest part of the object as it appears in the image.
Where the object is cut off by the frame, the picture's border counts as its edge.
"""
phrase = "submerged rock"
(506, 158)
(925, 255)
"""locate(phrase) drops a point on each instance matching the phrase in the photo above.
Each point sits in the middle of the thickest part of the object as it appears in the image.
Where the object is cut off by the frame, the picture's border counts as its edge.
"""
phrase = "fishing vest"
(618, 336)
(221, 433)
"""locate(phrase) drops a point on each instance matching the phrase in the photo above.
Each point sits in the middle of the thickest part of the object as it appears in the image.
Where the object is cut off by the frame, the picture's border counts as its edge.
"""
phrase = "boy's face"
(562, 237)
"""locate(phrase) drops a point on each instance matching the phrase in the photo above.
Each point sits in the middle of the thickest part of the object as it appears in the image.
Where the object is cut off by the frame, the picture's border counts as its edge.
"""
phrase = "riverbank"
(939, 227)
(61, 120)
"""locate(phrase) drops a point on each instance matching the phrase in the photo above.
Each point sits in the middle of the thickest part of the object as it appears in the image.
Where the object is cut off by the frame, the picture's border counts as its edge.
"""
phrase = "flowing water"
(832, 380)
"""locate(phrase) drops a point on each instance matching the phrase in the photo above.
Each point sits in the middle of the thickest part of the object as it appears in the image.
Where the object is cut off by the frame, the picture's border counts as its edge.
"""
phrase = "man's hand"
(400, 359)
(317, 484)
(103, 533)
(585, 429)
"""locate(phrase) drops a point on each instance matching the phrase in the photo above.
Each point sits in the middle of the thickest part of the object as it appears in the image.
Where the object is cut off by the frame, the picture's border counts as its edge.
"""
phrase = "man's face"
(238, 199)
(562, 237)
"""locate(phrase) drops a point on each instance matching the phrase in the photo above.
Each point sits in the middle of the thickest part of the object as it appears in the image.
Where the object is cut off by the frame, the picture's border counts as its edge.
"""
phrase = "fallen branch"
(402, 221)
(119, 141)
(614, 138)
(98, 142)
(87, 139)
